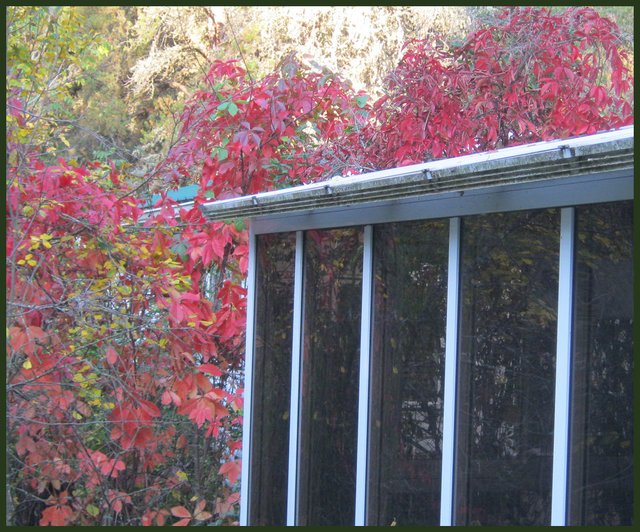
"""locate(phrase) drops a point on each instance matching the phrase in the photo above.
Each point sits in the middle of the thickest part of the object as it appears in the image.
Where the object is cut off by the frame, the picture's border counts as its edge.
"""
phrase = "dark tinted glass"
(331, 345)
(407, 372)
(509, 283)
(272, 381)
(601, 472)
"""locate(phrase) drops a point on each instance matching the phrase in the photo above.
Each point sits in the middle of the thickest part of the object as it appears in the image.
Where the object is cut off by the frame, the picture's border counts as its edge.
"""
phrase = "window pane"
(272, 381)
(601, 480)
(509, 282)
(332, 308)
(407, 372)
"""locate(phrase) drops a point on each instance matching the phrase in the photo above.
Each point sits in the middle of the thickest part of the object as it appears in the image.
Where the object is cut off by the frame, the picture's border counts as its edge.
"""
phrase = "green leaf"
(361, 101)
(233, 109)
(223, 153)
(209, 194)
(223, 106)
(92, 510)
(180, 249)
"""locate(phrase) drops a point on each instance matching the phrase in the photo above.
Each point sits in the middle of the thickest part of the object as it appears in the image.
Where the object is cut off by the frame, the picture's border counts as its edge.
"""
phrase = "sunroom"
(446, 343)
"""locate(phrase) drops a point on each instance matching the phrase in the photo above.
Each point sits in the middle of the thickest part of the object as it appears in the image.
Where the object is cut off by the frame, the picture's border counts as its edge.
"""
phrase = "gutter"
(602, 152)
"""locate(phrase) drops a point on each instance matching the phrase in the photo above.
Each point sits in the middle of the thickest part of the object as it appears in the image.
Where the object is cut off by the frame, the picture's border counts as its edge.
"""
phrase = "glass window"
(601, 462)
(506, 377)
(331, 345)
(410, 268)
(272, 382)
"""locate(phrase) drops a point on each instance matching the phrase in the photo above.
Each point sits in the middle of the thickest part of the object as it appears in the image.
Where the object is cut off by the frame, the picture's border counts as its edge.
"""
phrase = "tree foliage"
(533, 76)
(125, 325)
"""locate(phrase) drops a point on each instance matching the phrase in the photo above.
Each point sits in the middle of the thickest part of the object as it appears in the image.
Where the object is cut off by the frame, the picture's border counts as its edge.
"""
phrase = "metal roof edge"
(540, 160)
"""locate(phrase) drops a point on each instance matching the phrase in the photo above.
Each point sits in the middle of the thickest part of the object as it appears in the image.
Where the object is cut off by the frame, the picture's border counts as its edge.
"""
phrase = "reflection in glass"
(509, 291)
(331, 345)
(410, 265)
(601, 470)
(272, 382)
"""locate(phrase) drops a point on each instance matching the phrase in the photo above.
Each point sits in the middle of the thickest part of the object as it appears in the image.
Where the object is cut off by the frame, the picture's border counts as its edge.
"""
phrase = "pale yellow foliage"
(362, 44)
(181, 41)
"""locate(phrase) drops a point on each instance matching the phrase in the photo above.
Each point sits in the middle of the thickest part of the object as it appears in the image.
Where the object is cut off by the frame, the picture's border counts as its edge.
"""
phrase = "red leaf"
(117, 506)
(149, 408)
(112, 355)
(211, 369)
(182, 522)
(166, 398)
(181, 443)
(176, 312)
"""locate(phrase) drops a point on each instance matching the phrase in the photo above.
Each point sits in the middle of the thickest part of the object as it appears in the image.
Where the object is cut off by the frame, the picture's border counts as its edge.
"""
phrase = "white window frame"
(564, 193)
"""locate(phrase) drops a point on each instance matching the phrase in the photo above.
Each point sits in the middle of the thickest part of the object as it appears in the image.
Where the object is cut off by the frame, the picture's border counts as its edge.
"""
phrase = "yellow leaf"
(27, 364)
(125, 290)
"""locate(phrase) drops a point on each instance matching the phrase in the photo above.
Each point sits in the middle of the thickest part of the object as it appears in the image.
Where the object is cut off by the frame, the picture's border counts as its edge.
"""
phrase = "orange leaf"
(200, 506)
(58, 515)
(182, 522)
(180, 511)
(231, 470)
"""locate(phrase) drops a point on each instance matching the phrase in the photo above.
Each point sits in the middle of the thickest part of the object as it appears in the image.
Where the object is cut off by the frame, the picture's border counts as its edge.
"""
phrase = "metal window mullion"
(364, 382)
(248, 387)
(450, 375)
(561, 426)
(296, 376)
